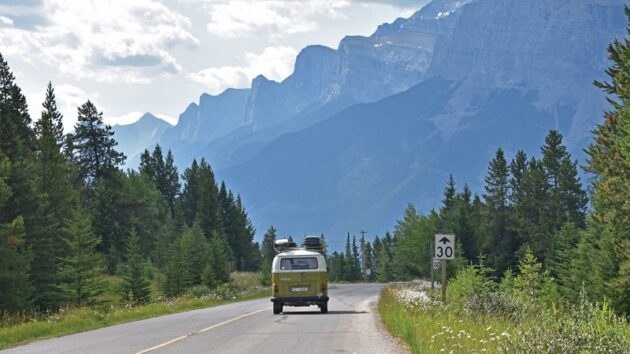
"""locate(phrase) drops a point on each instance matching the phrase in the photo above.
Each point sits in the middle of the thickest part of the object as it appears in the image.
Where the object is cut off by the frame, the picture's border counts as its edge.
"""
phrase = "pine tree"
(268, 253)
(609, 160)
(219, 253)
(15, 286)
(499, 243)
(141, 207)
(208, 215)
(177, 273)
(449, 194)
(172, 186)
(58, 196)
(207, 277)
(94, 147)
(16, 137)
(563, 252)
(463, 225)
(24, 207)
(347, 264)
(196, 253)
(190, 194)
(518, 168)
(135, 288)
(573, 198)
(146, 164)
(80, 268)
(567, 200)
(535, 233)
(356, 261)
(106, 224)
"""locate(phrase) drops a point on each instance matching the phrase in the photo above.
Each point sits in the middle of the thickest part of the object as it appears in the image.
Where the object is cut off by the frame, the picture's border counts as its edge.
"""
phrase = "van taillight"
(323, 287)
(275, 288)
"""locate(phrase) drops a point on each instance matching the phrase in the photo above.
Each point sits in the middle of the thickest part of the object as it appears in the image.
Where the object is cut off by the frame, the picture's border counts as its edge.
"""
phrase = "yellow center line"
(162, 345)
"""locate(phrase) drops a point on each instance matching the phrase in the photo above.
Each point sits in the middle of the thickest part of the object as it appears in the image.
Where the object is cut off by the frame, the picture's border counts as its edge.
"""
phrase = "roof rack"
(311, 243)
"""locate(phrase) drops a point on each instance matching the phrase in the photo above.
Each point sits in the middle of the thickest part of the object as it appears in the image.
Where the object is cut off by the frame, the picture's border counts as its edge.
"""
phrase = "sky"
(135, 56)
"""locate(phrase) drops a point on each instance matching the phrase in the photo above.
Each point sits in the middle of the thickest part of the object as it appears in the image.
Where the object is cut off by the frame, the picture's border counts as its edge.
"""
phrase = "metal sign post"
(444, 250)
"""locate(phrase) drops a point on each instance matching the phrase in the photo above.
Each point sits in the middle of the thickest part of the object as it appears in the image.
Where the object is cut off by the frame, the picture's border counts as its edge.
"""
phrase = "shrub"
(472, 280)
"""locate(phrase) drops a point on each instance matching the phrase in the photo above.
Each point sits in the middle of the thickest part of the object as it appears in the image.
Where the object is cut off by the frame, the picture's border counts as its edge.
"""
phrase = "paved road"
(350, 326)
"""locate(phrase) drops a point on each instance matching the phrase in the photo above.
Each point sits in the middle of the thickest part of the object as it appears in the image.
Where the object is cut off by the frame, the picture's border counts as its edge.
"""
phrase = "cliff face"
(510, 71)
(556, 47)
(362, 69)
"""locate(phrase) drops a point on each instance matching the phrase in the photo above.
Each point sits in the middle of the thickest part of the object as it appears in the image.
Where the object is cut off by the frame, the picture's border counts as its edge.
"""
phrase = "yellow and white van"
(299, 278)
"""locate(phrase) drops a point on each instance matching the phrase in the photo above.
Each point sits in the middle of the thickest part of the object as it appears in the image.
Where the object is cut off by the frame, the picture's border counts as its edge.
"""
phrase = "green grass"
(429, 329)
(428, 326)
(22, 329)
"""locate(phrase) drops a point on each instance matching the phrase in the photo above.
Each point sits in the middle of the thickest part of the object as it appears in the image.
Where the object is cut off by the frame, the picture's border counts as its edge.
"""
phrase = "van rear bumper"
(304, 300)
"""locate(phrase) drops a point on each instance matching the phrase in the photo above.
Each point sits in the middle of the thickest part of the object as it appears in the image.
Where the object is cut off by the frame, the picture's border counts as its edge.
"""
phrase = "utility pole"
(363, 232)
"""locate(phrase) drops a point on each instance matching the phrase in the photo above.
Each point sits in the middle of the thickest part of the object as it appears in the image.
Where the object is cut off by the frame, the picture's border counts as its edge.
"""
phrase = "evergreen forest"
(70, 216)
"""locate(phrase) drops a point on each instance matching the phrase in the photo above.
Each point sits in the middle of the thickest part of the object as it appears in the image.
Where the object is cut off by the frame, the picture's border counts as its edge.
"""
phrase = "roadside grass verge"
(415, 315)
(435, 329)
(21, 329)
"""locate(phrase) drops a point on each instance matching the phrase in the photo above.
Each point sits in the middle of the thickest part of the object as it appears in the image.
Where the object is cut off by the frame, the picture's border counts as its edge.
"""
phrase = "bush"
(472, 280)
(583, 329)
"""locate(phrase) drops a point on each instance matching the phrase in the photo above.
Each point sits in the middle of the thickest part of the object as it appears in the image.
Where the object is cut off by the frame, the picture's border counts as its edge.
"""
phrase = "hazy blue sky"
(134, 56)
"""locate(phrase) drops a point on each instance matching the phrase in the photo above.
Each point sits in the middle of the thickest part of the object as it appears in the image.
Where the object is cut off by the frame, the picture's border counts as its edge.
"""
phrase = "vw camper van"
(299, 278)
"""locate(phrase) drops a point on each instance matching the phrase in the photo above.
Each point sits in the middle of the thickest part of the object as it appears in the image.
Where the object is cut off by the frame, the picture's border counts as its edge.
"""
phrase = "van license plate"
(297, 290)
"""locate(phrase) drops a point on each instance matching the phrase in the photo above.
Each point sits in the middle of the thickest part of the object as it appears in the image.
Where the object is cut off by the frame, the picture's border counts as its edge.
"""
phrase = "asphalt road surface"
(350, 326)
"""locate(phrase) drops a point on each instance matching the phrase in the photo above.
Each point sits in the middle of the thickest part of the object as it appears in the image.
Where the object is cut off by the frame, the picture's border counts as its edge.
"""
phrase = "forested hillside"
(69, 215)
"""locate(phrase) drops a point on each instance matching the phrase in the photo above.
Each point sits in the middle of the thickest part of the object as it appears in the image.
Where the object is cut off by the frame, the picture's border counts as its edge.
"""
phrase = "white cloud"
(276, 18)
(109, 41)
(275, 63)
(167, 118)
(5, 21)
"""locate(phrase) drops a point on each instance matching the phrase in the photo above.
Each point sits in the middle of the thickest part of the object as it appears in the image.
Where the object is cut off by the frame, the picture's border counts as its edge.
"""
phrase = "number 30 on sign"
(444, 246)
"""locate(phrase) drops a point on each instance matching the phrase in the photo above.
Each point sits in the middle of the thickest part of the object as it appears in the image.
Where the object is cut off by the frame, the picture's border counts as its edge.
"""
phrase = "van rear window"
(298, 263)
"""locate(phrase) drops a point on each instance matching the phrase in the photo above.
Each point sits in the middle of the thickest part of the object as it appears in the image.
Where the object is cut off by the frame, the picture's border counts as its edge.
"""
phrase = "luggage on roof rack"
(313, 243)
(284, 245)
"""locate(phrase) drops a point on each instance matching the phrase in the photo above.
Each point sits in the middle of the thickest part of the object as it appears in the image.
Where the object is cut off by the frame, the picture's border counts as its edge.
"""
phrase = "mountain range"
(357, 132)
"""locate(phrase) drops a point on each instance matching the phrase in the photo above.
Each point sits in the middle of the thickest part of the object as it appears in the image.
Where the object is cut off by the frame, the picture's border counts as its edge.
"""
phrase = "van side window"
(298, 263)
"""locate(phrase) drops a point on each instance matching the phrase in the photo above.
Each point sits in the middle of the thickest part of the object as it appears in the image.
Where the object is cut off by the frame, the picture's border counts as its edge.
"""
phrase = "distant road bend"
(351, 326)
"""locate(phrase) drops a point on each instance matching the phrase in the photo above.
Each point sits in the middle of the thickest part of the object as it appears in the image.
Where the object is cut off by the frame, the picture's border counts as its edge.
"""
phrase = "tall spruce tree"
(135, 288)
(499, 243)
(15, 285)
(58, 199)
(535, 232)
(208, 215)
(81, 269)
(177, 273)
(563, 252)
(190, 194)
(219, 252)
(16, 136)
(268, 253)
(23, 209)
(567, 200)
(94, 147)
(609, 158)
(172, 186)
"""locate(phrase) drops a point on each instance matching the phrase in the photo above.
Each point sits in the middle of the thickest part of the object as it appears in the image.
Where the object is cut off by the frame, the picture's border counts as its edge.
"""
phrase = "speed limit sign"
(444, 246)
